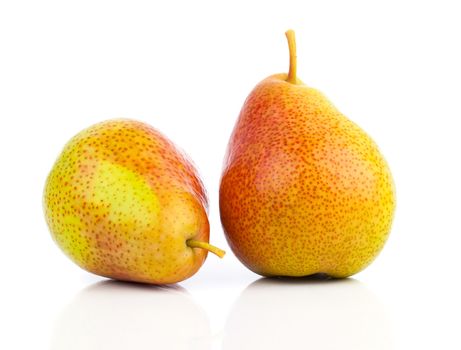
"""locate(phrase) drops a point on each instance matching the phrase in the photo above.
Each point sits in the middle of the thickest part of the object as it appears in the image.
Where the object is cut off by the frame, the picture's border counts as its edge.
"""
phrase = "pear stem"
(204, 245)
(290, 34)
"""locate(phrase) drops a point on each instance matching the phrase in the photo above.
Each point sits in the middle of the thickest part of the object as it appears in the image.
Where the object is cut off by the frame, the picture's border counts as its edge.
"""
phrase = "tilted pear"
(122, 202)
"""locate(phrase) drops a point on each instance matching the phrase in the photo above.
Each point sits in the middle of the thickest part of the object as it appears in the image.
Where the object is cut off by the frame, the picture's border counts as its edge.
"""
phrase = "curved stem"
(290, 34)
(204, 245)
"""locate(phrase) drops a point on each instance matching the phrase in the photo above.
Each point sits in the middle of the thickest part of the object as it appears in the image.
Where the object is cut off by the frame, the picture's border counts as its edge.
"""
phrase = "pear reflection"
(116, 315)
(307, 314)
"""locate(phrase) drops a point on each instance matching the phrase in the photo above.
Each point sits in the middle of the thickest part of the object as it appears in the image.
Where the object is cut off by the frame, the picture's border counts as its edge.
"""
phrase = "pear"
(304, 190)
(123, 202)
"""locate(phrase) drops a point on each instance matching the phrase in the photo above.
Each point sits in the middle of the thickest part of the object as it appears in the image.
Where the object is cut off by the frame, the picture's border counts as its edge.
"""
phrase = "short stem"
(204, 245)
(290, 34)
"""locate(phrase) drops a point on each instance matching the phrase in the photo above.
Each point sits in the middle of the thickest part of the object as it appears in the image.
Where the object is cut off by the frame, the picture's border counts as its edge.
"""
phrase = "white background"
(186, 67)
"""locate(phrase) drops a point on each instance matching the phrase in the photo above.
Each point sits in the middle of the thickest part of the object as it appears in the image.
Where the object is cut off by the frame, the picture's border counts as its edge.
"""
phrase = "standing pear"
(304, 190)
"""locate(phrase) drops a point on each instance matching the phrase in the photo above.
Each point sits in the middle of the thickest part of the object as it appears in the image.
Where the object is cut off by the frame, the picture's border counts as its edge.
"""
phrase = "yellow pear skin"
(123, 202)
(304, 190)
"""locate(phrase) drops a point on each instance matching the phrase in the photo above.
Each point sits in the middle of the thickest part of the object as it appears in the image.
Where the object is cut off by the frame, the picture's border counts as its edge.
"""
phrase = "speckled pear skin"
(121, 201)
(304, 190)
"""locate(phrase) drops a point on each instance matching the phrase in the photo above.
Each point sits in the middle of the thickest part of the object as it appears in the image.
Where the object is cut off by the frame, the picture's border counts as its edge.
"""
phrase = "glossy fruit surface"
(122, 202)
(304, 190)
